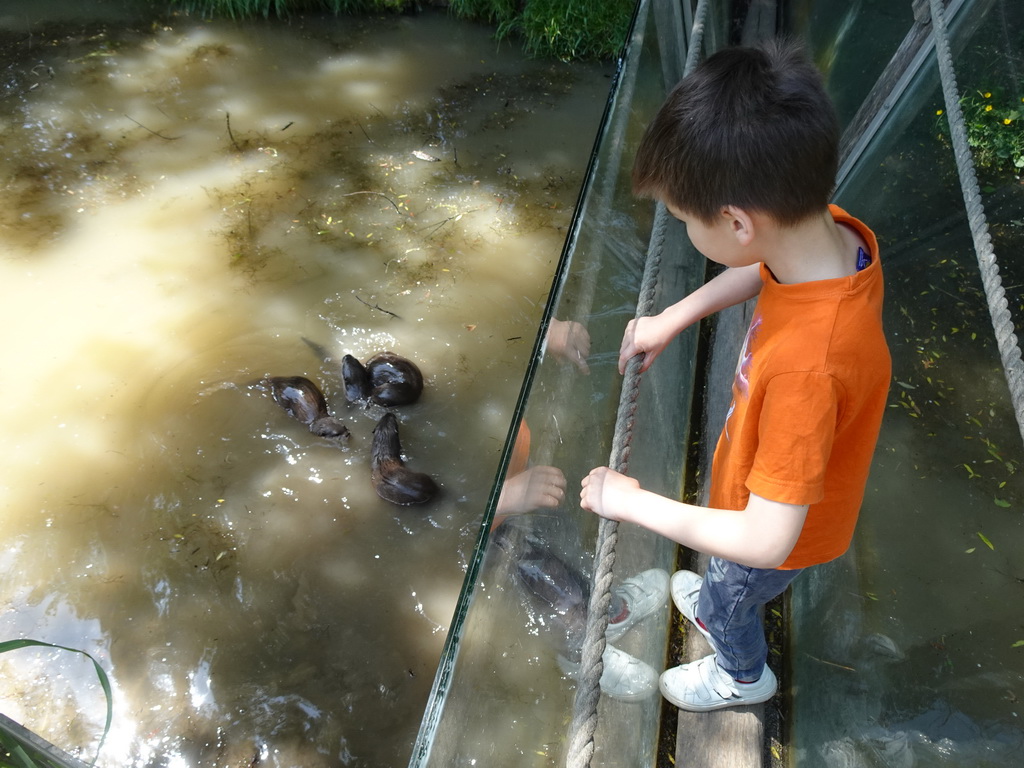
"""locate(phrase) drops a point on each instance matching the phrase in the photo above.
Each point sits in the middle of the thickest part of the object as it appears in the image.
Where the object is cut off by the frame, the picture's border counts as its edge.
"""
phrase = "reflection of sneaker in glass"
(702, 686)
(643, 595)
(685, 587)
(624, 677)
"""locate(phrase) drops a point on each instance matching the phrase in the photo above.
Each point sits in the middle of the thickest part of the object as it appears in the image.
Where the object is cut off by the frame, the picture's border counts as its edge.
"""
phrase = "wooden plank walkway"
(735, 737)
(728, 738)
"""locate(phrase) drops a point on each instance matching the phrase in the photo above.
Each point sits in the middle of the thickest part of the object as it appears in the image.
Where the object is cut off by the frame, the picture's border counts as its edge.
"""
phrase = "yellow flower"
(938, 112)
(1007, 121)
(988, 95)
(988, 107)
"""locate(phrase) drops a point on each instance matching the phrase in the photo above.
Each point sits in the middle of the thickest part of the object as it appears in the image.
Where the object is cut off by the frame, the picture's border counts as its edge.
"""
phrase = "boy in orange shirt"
(744, 152)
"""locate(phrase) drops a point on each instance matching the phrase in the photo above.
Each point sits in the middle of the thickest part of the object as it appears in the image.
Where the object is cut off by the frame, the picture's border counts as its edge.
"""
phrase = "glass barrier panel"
(906, 651)
(851, 42)
(504, 691)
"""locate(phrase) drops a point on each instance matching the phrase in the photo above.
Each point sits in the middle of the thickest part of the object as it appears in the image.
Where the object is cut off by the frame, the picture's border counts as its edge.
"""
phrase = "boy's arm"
(650, 335)
(761, 536)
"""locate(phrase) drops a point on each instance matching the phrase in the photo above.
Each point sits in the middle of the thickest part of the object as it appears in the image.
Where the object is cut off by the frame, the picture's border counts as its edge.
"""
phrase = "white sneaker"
(644, 594)
(702, 686)
(685, 587)
(624, 677)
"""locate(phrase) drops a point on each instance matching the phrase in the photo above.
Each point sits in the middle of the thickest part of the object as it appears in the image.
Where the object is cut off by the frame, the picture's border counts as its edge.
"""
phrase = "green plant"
(240, 9)
(995, 130)
(566, 29)
(571, 29)
(491, 11)
(14, 751)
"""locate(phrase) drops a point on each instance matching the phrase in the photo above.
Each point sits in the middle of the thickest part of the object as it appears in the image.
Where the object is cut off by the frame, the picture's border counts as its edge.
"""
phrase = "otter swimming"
(356, 378)
(303, 400)
(386, 379)
(391, 479)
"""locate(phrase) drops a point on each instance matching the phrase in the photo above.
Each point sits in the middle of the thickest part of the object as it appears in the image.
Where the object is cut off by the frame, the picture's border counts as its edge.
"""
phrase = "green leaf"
(1018, 644)
(984, 539)
(13, 645)
(19, 754)
(993, 452)
(1002, 503)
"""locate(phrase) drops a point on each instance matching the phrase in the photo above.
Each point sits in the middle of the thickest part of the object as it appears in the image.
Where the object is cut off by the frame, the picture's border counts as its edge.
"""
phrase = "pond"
(184, 202)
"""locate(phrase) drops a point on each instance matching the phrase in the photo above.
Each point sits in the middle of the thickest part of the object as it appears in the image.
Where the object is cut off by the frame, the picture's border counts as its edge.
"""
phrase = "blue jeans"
(729, 606)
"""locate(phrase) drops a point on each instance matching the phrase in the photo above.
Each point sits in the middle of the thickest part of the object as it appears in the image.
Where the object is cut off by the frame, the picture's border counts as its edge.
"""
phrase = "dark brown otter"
(357, 380)
(303, 400)
(387, 379)
(392, 480)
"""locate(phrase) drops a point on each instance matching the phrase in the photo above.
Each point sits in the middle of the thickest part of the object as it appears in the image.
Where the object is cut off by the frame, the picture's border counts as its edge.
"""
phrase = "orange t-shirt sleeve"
(796, 430)
(520, 460)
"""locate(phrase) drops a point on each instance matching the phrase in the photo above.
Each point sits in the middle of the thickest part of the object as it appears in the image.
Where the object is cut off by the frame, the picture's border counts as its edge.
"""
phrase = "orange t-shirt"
(810, 389)
(520, 459)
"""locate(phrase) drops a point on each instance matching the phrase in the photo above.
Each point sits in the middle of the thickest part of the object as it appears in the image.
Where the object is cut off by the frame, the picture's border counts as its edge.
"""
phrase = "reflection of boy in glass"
(744, 152)
(553, 584)
(528, 487)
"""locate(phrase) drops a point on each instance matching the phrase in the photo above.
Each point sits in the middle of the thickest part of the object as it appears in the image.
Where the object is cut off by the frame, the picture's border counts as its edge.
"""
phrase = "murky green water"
(182, 203)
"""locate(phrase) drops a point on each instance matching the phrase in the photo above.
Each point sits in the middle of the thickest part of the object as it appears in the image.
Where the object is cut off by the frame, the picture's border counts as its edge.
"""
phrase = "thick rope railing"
(1002, 322)
(588, 691)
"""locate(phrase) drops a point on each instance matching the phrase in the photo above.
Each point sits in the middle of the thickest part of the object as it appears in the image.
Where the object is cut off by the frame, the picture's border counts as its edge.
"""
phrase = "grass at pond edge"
(563, 29)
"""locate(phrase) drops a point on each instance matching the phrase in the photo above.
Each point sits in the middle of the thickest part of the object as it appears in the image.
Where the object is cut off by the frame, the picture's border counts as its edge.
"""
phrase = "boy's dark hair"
(750, 127)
